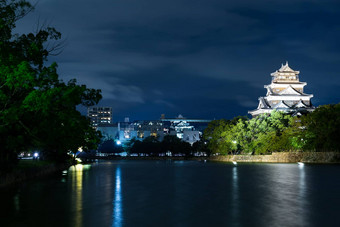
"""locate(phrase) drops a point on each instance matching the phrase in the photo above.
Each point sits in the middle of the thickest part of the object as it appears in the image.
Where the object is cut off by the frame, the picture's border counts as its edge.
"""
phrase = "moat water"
(177, 193)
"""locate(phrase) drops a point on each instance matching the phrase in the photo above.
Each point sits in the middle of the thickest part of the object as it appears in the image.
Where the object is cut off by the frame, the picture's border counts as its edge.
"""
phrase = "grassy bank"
(28, 169)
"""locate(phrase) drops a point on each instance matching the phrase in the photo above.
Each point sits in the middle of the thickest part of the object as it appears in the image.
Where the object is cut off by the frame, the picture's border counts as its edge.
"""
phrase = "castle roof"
(284, 69)
(263, 103)
(280, 105)
(300, 104)
(290, 91)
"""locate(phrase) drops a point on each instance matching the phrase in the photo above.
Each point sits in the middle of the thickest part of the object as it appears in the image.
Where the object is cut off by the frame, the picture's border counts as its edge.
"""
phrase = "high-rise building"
(285, 93)
(100, 115)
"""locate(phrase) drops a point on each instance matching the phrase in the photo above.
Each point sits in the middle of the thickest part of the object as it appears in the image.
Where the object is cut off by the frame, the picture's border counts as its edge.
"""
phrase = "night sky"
(199, 58)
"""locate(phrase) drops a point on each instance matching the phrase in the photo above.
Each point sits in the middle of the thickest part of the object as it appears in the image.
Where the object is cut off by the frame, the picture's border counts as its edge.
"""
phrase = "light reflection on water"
(285, 196)
(76, 180)
(77, 193)
(147, 193)
(303, 199)
(235, 200)
(117, 202)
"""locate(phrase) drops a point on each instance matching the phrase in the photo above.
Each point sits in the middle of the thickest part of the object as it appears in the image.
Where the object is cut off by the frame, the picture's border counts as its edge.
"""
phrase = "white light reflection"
(286, 195)
(117, 202)
(302, 190)
(235, 199)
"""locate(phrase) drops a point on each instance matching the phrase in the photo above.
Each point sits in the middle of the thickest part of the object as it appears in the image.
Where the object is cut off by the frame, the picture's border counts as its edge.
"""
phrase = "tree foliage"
(110, 146)
(322, 128)
(260, 135)
(201, 147)
(221, 140)
(151, 146)
(37, 109)
(316, 131)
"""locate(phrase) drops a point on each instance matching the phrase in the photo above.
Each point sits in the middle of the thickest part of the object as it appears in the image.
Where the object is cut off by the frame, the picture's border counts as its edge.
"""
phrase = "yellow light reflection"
(77, 193)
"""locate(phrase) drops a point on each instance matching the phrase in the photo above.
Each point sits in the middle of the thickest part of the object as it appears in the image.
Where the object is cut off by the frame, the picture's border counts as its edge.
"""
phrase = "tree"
(215, 134)
(109, 146)
(226, 136)
(265, 132)
(175, 145)
(37, 109)
(201, 146)
(149, 146)
(260, 135)
(322, 128)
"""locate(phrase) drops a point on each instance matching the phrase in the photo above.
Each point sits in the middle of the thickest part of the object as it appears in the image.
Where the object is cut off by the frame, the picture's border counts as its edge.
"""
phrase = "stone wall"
(283, 157)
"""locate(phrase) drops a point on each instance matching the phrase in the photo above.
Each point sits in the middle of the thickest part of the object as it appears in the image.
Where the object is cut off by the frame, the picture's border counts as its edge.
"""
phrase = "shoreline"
(284, 157)
(19, 176)
(275, 157)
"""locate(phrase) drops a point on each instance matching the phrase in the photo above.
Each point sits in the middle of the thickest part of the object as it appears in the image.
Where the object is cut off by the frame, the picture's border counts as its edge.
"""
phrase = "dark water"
(177, 193)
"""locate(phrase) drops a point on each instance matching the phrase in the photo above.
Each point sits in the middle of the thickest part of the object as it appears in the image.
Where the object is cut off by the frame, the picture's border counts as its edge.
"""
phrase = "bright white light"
(234, 141)
(36, 154)
(301, 164)
(118, 142)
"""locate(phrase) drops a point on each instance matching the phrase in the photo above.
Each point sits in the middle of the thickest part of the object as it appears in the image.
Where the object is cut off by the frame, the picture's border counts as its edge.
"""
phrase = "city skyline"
(201, 59)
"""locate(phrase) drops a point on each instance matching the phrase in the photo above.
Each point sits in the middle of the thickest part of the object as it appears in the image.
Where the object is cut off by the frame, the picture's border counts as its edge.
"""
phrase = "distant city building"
(189, 130)
(149, 128)
(125, 131)
(285, 93)
(191, 136)
(100, 115)
(109, 132)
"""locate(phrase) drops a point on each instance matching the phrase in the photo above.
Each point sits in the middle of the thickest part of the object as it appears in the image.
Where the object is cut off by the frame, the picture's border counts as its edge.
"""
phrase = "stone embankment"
(283, 157)
(275, 157)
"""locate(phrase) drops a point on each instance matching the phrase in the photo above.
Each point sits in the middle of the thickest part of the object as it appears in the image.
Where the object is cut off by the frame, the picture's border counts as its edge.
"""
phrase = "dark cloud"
(204, 59)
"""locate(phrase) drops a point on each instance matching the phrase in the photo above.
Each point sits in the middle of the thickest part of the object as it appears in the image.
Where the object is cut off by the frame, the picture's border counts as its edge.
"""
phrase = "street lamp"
(234, 142)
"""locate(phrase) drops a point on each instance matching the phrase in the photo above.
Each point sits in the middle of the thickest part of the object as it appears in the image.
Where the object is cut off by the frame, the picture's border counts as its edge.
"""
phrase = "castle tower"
(285, 93)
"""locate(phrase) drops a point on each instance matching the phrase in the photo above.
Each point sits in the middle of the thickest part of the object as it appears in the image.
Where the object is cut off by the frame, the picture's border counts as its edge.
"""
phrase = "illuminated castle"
(285, 93)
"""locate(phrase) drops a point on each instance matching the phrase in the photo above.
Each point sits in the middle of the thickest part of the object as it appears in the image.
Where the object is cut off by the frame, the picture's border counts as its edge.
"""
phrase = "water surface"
(177, 193)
